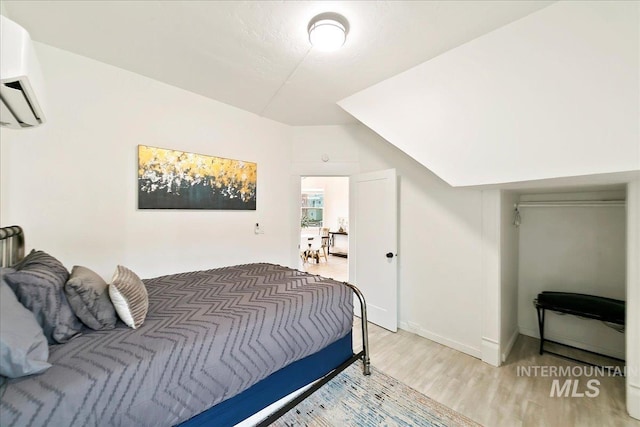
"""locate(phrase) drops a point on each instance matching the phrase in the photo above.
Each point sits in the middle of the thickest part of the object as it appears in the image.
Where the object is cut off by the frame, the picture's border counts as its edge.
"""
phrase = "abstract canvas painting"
(171, 179)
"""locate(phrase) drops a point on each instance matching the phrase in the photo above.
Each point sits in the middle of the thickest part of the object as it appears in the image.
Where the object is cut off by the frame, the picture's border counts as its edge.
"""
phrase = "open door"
(373, 244)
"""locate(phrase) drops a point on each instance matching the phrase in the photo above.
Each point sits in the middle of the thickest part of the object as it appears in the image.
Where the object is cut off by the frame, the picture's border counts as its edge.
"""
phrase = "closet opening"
(572, 241)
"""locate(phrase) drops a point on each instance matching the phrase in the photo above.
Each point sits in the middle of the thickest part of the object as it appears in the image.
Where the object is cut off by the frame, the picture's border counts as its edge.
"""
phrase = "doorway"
(370, 232)
(324, 226)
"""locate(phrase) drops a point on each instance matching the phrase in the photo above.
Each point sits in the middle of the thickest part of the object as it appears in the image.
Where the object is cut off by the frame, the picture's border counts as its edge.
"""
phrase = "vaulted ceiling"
(553, 95)
(255, 55)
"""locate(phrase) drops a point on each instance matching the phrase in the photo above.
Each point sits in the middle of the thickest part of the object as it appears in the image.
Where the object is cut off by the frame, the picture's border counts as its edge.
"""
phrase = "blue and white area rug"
(352, 399)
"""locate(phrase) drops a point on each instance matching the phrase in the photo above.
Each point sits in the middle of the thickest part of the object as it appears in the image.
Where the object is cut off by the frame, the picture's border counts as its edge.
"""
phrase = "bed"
(216, 346)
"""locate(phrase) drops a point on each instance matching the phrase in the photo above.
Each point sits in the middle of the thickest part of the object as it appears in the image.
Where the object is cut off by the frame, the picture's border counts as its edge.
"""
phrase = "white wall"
(554, 94)
(572, 249)
(509, 267)
(72, 183)
(440, 232)
(499, 260)
(336, 197)
(633, 298)
(491, 289)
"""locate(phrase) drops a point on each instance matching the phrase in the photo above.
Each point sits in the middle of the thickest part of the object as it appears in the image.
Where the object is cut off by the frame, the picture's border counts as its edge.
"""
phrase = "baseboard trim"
(415, 329)
(491, 351)
(510, 344)
(633, 400)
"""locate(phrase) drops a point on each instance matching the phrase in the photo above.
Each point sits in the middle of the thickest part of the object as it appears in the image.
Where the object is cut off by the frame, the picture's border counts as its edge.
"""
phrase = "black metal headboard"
(12, 249)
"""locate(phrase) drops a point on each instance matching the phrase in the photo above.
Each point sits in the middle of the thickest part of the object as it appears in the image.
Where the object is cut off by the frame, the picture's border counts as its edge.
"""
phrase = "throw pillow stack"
(41, 304)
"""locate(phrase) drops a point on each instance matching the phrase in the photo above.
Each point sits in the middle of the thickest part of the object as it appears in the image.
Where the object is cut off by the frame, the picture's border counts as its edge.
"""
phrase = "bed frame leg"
(366, 362)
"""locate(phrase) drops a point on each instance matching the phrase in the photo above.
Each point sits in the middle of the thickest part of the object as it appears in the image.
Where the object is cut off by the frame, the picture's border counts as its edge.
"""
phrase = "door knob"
(389, 254)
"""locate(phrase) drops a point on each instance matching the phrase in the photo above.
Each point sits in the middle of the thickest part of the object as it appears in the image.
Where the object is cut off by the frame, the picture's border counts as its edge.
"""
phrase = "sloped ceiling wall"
(555, 94)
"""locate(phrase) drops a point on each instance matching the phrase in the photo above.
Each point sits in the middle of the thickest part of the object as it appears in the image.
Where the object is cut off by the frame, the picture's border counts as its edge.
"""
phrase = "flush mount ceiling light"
(328, 31)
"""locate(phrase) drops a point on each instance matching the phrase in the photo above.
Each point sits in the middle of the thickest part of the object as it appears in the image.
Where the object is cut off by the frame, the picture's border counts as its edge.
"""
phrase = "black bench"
(589, 306)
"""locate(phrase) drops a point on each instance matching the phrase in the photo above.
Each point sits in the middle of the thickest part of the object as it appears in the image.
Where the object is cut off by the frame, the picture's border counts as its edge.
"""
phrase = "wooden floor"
(334, 267)
(494, 396)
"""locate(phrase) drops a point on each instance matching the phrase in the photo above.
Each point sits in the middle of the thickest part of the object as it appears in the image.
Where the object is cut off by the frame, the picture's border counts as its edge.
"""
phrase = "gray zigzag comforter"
(208, 336)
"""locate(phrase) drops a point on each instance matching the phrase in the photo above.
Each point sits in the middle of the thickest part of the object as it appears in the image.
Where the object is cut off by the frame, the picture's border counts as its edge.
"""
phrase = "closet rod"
(574, 203)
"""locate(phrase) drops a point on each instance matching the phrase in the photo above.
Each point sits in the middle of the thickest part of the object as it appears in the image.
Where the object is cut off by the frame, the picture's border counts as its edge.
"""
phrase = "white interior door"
(373, 244)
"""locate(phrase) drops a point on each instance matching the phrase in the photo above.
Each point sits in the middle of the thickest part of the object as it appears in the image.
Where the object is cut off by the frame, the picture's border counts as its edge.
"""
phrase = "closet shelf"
(573, 203)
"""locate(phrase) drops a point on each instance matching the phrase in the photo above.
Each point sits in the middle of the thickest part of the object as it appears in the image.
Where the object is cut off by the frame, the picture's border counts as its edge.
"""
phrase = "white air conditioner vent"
(20, 79)
(17, 110)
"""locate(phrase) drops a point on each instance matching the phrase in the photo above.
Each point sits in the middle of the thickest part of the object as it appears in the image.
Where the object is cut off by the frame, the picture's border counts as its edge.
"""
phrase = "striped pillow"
(129, 297)
(38, 283)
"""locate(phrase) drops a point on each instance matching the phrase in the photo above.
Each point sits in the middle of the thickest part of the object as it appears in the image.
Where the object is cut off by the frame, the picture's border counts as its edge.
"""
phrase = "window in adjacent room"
(312, 208)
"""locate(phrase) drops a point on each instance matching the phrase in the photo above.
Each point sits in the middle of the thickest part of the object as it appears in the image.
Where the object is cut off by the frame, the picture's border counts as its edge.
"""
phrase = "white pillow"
(129, 297)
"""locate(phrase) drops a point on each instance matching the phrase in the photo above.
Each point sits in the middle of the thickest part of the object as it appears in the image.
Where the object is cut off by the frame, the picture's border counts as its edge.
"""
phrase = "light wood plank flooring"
(334, 267)
(494, 396)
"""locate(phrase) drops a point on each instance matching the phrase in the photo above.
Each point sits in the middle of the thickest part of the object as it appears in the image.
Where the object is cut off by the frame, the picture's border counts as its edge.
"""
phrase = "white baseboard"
(491, 351)
(633, 400)
(566, 340)
(510, 344)
(416, 329)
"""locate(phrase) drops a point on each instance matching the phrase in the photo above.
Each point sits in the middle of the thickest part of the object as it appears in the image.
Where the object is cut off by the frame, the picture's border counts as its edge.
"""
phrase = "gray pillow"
(88, 295)
(23, 347)
(38, 283)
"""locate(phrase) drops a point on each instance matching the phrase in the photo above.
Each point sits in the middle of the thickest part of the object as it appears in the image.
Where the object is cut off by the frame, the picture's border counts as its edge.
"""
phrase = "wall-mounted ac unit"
(21, 83)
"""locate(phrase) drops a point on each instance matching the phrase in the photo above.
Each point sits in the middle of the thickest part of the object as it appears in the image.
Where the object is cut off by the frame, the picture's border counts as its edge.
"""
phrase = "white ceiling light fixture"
(328, 31)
